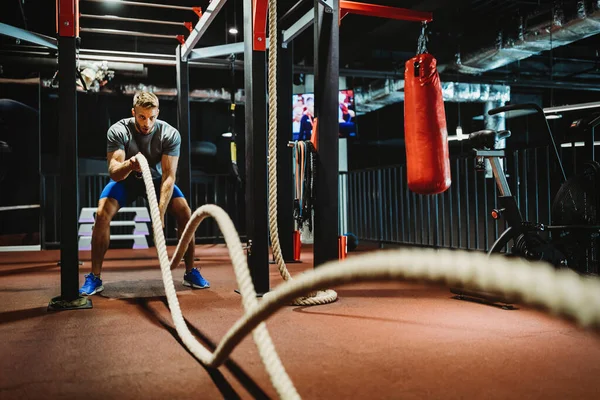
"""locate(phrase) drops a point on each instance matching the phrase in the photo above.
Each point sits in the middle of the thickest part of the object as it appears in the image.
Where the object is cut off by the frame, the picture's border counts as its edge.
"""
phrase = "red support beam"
(259, 24)
(67, 18)
(372, 10)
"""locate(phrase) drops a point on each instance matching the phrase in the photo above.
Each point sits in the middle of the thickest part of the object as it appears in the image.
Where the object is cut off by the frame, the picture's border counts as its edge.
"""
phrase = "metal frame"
(216, 51)
(298, 27)
(28, 36)
(256, 152)
(197, 10)
(68, 24)
(326, 62)
(373, 10)
(259, 24)
(183, 116)
(351, 7)
(187, 25)
(179, 38)
(285, 209)
(205, 20)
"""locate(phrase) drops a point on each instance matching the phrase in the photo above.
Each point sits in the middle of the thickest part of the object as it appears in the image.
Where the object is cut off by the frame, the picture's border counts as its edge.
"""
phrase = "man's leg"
(111, 198)
(181, 211)
(107, 208)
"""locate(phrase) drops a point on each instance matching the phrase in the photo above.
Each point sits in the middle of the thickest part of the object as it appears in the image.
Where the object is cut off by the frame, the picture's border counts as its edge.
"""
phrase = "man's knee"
(107, 208)
(180, 209)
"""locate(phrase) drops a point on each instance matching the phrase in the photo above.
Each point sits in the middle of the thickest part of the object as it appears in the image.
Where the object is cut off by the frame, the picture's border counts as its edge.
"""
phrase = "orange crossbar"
(373, 10)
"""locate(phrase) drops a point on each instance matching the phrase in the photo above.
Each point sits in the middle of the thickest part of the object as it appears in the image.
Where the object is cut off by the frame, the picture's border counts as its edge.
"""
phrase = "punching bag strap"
(422, 42)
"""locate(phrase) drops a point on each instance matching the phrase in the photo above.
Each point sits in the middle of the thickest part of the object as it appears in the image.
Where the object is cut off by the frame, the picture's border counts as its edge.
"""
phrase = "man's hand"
(134, 164)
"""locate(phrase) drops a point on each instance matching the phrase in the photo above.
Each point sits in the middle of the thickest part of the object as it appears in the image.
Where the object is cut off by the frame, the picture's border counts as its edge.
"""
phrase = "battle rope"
(562, 292)
(281, 381)
(313, 298)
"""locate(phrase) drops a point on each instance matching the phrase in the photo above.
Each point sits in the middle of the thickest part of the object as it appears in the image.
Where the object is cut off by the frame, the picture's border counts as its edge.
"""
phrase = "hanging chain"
(422, 42)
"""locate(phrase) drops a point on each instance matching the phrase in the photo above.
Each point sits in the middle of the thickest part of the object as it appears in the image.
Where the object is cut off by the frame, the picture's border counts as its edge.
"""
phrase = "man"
(159, 142)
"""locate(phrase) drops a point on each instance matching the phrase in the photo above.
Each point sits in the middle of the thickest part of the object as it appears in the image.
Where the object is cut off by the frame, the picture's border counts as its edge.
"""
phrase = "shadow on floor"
(28, 270)
(20, 315)
(218, 378)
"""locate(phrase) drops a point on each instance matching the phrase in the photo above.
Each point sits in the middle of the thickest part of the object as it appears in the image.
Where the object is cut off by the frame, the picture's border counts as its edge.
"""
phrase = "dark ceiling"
(544, 43)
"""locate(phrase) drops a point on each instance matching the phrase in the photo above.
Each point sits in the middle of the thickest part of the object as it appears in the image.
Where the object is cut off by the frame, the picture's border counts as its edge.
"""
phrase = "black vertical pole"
(69, 193)
(326, 61)
(285, 197)
(256, 156)
(69, 173)
(42, 187)
(184, 169)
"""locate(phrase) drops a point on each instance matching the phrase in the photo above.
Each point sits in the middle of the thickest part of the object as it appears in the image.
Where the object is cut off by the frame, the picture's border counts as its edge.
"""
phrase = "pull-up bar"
(188, 25)
(197, 10)
(180, 38)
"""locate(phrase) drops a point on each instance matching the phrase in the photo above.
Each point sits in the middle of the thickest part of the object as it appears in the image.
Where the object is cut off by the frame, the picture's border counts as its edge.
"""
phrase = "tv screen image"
(347, 114)
(303, 111)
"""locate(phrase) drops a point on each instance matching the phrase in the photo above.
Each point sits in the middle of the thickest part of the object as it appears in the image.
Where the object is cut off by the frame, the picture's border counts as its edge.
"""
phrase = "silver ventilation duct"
(378, 95)
(202, 95)
(390, 91)
(529, 41)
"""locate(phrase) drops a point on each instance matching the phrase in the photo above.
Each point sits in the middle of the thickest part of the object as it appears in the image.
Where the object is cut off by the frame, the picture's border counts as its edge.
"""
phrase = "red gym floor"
(378, 341)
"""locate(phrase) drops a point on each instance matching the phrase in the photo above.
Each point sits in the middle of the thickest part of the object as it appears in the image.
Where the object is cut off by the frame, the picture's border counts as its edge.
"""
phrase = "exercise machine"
(570, 240)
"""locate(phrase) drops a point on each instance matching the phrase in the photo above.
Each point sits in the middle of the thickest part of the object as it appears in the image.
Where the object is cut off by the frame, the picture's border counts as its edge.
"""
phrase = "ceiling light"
(233, 31)
(227, 134)
(578, 144)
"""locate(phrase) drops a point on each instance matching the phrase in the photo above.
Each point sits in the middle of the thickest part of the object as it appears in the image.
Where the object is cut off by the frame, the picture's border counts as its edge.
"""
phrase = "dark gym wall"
(19, 129)
(97, 112)
(19, 163)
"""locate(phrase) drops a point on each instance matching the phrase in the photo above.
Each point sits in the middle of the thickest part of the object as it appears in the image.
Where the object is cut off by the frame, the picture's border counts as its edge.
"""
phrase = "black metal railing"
(381, 208)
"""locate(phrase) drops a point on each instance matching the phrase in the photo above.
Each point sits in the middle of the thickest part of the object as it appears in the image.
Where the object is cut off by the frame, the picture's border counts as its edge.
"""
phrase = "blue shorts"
(128, 190)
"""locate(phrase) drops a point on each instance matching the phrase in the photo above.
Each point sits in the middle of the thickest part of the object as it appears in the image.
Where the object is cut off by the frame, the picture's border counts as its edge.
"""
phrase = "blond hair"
(145, 100)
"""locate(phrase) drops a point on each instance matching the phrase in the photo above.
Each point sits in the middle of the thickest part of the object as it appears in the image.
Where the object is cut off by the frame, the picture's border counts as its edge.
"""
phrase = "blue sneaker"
(92, 285)
(195, 280)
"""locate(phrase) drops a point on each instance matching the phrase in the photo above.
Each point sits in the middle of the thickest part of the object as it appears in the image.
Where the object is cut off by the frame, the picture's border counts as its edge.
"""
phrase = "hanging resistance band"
(303, 172)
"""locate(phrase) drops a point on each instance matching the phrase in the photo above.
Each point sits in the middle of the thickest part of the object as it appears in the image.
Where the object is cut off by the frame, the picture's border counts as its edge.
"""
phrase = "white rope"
(562, 292)
(314, 298)
(269, 357)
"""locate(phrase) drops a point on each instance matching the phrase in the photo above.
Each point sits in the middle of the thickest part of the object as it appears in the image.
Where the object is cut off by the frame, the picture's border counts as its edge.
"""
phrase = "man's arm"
(118, 169)
(169, 168)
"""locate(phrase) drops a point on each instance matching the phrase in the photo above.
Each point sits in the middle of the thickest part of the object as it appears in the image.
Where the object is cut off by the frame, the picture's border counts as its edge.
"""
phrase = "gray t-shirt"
(163, 140)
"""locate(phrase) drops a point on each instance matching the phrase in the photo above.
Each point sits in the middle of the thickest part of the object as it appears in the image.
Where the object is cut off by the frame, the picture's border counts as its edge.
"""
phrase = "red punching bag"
(426, 136)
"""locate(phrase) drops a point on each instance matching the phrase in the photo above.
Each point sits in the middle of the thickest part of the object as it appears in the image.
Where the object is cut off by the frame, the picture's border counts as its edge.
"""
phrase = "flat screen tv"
(303, 115)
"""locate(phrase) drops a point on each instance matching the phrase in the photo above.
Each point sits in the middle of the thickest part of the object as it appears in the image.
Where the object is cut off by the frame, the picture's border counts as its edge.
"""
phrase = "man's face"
(145, 118)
